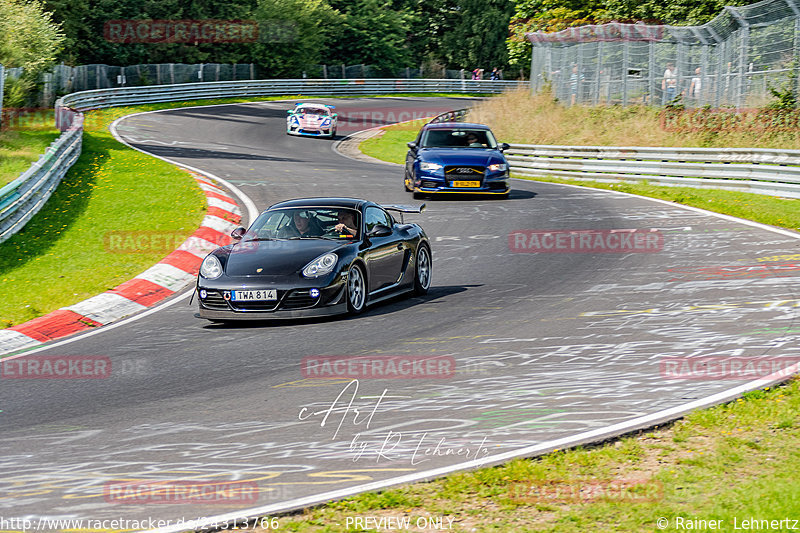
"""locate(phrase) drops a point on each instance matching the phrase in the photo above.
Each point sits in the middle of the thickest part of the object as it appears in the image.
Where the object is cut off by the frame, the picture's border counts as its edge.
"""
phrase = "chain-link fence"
(371, 71)
(732, 60)
(63, 79)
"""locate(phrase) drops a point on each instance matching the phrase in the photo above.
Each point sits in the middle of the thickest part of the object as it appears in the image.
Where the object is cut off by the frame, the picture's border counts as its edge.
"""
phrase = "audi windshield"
(458, 138)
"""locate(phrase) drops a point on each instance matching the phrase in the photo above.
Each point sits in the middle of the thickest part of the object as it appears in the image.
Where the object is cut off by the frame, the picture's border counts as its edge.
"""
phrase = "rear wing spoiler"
(405, 209)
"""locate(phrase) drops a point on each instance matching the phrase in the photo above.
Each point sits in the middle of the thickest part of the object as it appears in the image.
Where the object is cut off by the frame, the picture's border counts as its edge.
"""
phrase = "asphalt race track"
(545, 346)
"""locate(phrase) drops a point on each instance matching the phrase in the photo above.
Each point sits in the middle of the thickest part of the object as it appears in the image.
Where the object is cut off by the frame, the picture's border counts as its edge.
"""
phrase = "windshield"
(306, 223)
(313, 111)
(458, 138)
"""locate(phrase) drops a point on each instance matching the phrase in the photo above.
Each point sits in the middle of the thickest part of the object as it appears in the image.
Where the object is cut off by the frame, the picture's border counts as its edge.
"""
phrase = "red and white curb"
(158, 282)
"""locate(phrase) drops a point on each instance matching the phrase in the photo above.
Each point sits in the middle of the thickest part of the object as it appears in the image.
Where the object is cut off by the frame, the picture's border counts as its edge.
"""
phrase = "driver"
(347, 223)
(472, 141)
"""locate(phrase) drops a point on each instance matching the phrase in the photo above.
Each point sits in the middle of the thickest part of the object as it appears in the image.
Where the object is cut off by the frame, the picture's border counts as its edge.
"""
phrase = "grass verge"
(735, 461)
(61, 256)
(23, 144)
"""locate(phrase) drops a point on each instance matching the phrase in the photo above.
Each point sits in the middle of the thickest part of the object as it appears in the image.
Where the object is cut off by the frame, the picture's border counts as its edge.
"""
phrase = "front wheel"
(356, 290)
(423, 270)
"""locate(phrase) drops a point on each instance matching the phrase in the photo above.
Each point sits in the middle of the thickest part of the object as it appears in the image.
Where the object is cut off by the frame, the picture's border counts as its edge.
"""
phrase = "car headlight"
(320, 266)
(498, 167)
(211, 268)
(429, 166)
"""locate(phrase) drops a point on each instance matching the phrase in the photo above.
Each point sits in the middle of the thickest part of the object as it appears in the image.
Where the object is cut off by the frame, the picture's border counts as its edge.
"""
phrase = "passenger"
(302, 225)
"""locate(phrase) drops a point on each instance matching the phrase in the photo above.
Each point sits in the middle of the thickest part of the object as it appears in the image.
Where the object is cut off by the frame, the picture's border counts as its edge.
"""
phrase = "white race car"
(316, 120)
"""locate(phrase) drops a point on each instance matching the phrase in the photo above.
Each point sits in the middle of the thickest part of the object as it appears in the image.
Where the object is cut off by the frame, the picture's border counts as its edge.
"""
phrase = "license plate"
(466, 184)
(244, 296)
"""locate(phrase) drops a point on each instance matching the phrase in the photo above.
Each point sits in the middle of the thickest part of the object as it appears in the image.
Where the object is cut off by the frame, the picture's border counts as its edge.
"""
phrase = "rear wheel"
(356, 290)
(423, 270)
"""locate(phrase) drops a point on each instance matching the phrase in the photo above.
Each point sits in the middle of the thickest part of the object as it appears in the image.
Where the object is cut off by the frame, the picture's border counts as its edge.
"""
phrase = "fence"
(370, 71)
(755, 170)
(64, 79)
(732, 60)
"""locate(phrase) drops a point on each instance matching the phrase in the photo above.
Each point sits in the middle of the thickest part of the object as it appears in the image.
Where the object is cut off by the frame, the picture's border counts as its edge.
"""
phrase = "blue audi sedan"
(456, 158)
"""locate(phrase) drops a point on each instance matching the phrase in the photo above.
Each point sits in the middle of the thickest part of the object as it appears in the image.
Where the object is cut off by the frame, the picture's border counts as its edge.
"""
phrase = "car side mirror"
(238, 233)
(289, 111)
(335, 115)
(412, 145)
(504, 147)
(380, 230)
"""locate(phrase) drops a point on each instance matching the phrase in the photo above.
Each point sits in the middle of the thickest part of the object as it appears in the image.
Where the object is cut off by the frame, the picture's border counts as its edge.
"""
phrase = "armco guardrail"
(756, 170)
(22, 198)
(250, 88)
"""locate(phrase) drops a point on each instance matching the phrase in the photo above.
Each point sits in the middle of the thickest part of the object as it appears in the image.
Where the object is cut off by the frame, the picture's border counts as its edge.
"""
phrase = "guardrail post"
(625, 59)
(651, 67)
(744, 42)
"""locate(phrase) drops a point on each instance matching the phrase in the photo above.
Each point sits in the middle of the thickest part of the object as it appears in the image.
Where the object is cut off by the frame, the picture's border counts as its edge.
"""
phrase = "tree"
(548, 16)
(478, 37)
(29, 39)
(294, 35)
(370, 32)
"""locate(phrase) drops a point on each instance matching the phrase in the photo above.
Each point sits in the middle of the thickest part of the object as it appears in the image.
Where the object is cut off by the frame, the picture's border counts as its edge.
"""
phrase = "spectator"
(696, 86)
(575, 79)
(670, 83)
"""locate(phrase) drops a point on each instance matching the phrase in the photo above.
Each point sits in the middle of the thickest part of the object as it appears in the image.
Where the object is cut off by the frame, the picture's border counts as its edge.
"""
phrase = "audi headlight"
(320, 266)
(498, 167)
(429, 166)
(211, 268)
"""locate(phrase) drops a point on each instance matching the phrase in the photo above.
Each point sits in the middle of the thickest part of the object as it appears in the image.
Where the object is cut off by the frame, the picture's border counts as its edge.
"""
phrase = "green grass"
(737, 460)
(24, 144)
(391, 145)
(781, 212)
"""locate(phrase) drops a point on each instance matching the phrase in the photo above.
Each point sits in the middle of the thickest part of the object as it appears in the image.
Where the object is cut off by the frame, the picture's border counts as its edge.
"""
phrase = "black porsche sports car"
(315, 257)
